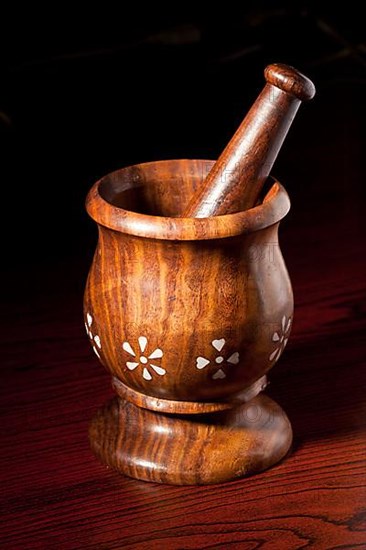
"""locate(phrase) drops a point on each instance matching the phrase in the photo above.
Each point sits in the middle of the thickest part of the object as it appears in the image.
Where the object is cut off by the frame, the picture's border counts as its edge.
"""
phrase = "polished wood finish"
(187, 315)
(203, 298)
(191, 449)
(236, 180)
(187, 407)
(144, 200)
(56, 494)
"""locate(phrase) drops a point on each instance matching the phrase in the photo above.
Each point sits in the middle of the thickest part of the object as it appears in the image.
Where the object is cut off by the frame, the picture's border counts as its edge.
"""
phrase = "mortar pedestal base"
(189, 449)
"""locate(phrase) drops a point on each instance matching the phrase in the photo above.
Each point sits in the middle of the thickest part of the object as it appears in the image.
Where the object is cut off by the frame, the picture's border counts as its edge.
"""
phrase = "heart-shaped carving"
(219, 374)
(234, 358)
(218, 344)
(201, 362)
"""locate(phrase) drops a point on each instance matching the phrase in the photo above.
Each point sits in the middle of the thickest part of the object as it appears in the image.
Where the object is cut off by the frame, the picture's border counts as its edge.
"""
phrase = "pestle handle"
(290, 80)
(236, 179)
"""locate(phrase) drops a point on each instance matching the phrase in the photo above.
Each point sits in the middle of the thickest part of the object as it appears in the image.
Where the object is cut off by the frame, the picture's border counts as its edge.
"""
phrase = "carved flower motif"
(281, 338)
(202, 362)
(143, 359)
(95, 340)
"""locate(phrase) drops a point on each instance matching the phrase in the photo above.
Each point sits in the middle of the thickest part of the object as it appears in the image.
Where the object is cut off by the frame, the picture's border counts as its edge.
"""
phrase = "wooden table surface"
(55, 494)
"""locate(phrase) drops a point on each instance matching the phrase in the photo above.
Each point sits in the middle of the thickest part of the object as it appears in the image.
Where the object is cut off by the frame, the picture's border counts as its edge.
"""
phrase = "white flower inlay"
(281, 338)
(95, 340)
(202, 362)
(144, 359)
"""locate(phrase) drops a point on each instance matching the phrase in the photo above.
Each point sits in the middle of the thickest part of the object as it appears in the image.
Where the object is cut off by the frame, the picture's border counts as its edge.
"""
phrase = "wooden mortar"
(188, 315)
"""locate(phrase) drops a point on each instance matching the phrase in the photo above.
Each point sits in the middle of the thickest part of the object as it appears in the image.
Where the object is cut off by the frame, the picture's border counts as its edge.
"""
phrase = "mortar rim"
(272, 210)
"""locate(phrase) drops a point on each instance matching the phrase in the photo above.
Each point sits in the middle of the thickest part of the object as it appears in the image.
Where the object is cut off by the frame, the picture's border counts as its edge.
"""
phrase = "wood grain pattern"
(236, 180)
(56, 494)
(190, 449)
(187, 407)
(180, 289)
(187, 324)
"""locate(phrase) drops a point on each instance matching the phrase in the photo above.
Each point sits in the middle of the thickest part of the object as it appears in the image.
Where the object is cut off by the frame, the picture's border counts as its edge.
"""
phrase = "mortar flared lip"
(272, 210)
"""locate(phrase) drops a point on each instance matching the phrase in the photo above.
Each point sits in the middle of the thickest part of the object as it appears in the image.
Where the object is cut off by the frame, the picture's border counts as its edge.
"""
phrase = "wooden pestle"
(235, 181)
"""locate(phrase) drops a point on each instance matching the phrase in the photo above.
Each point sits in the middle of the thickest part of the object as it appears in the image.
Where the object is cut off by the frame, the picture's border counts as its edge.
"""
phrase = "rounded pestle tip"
(290, 80)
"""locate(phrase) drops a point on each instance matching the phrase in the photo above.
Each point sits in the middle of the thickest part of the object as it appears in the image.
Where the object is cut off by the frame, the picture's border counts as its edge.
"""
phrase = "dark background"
(84, 94)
